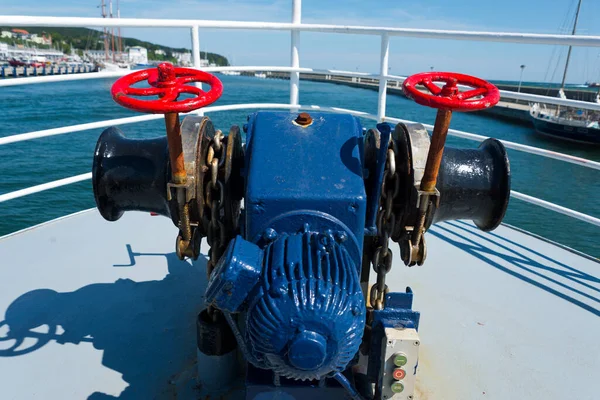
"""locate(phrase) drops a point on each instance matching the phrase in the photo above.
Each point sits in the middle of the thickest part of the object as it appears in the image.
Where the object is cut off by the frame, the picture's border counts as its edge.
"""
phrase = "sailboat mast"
(562, 85)
(105, 32)
(119, 44)
(112, 32)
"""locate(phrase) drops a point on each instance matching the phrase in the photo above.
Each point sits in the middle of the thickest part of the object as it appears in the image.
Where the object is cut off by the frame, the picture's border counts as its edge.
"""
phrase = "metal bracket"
(426, 197)
(414, 249)
(187, 188)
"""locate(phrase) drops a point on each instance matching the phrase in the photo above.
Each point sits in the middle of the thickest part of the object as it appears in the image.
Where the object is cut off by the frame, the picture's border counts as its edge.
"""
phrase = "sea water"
(30, 108)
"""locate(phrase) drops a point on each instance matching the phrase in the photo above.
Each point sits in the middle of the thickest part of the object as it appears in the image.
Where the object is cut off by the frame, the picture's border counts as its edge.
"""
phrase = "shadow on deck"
(136, 324)
(540, 270)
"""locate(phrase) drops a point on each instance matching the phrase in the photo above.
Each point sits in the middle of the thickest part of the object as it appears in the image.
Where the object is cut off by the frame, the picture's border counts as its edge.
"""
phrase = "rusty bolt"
(304, 119)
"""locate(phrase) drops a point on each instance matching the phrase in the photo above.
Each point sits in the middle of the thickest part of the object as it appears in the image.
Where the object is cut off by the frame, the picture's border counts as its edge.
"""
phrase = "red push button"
(399, 374)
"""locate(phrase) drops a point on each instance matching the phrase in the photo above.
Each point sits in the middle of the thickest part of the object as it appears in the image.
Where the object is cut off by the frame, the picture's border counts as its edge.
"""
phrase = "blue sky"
(408, 55)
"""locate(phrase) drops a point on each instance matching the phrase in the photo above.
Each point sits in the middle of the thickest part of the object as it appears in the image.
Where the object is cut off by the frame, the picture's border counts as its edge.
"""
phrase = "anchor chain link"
(214, 198)
(386, 224)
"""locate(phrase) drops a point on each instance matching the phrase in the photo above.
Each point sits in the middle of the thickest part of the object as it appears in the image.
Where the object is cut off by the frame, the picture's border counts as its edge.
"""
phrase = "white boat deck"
(99, 310)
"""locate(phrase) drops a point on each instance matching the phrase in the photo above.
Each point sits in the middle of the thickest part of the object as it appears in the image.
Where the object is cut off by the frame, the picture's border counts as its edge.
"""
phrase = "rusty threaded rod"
(436, 150)
(423, 206)
(175, 147)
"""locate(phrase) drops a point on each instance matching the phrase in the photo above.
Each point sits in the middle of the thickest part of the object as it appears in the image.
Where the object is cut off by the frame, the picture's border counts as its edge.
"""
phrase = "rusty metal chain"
(386, 224)
(214, 199)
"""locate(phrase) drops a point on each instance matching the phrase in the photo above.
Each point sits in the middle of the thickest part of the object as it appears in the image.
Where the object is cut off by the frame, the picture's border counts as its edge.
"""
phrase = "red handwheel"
(482, 95)
(167, 82)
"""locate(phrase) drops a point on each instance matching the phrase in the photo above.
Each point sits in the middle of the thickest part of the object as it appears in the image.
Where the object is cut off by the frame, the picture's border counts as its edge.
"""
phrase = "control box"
(401, 361)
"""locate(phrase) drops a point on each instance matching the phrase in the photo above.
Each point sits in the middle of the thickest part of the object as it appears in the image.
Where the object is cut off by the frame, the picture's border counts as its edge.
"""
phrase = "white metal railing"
(504, 94)
(555, 207)
(45, 186)
(121, 121)
(295, 27)
(150, 117)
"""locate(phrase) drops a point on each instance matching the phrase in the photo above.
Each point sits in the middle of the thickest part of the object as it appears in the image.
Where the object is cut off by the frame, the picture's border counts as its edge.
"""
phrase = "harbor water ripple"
(35, 107)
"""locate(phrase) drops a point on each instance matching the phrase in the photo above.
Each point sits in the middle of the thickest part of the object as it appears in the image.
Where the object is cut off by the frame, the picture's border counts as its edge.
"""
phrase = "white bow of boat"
(505, 314)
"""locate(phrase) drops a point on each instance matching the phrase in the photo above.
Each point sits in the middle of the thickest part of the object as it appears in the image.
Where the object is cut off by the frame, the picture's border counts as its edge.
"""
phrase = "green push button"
(397, 387)
(400, 360)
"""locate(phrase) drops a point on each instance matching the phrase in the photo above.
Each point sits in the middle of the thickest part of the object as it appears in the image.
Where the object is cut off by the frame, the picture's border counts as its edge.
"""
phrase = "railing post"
(196, 54)
(195, 46)
(383, 71)
(295, 59)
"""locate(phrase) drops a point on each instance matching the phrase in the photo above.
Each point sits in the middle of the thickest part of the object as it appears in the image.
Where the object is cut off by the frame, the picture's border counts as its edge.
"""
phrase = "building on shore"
(22, 34)
(183, 59)
(137, 55)
(45, 40)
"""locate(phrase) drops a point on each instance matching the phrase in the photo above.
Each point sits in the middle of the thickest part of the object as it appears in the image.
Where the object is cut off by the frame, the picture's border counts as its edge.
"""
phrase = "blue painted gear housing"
(305, 174)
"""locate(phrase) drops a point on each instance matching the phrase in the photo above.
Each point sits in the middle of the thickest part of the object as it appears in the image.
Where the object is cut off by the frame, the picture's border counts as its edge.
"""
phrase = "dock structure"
(573, 93)
(507, 109)
(14, 72)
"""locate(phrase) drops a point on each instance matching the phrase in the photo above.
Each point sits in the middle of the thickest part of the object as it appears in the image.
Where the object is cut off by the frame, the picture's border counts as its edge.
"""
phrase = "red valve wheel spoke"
(191, 90)
(432, 87)
(471, 93)
(151, 91)
(449, 97)
(170, 95)
(167, 82)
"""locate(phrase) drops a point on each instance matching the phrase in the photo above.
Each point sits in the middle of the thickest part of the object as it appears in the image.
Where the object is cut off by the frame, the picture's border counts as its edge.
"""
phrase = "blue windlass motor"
(305, 310)
(294, 275)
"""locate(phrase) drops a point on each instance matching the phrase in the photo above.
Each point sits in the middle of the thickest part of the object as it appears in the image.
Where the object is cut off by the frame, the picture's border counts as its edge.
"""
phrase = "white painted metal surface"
(383, 70)
(508, 37)
(44, 186)
(77, 128)
(554, 207)
(295, 56)
(196, 50)
(107, 308)
(195, 46)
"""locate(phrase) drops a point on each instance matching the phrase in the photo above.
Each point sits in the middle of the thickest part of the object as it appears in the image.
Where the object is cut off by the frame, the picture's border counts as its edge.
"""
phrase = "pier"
(14, 72)
(507, 109)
